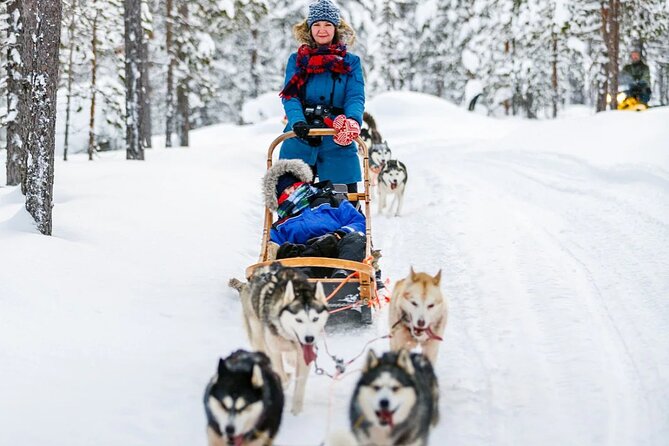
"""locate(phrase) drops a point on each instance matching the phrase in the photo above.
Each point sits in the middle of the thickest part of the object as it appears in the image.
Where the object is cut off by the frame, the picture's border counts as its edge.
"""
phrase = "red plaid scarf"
(314, 61)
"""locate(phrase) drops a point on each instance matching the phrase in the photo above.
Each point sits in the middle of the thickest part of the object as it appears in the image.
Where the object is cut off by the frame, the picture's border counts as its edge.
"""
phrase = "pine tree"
(41, 21)
(17, 105)
(134, 36)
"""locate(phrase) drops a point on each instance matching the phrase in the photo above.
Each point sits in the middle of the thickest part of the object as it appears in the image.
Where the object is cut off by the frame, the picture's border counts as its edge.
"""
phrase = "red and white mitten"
(347, 130)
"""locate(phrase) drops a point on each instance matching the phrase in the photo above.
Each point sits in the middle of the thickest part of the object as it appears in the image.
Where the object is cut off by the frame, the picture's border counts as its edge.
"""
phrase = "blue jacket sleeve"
(349, 218)
(293, 106)
(276, 237)
(354, 102)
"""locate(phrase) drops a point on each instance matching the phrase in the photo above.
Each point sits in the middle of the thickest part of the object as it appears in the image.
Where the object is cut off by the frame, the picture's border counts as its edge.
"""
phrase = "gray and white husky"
(395, 401)
(392, 181)
(284, 314)
(243, 401)
(379, 154)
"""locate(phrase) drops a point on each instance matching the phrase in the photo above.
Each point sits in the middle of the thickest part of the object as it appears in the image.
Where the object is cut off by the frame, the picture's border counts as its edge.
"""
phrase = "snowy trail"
(554, 266)
(543, 257)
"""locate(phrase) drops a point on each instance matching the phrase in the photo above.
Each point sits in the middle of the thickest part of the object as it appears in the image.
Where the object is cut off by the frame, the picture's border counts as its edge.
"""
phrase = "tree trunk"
(94, 71)
(614, 47)
(17, 104)
(554, 76)
(255, 77)
(146, 94)
(42, 22)
(133, 78)
(171, 62)
(70, 65)
(183, 108)
(603, 84)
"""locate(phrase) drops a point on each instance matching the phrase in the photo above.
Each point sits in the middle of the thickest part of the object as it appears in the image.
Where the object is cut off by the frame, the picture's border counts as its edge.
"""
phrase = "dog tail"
(236, 284)
(374, 132)
(341, 438)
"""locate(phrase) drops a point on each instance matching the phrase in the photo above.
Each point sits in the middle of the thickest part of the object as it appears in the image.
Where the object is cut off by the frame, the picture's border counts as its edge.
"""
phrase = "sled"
(350, 297)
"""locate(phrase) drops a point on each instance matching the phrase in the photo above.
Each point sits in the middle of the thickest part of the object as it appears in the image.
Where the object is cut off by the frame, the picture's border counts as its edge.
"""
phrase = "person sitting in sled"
(324, 87)
(636, 75)
(312, 220)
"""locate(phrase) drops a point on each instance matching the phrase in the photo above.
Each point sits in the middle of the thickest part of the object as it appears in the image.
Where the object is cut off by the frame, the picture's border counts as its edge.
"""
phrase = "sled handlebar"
(313, 132)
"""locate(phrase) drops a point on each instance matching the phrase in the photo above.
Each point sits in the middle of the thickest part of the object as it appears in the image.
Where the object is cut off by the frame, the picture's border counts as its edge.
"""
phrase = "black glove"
(301, 129)
(323, 246)
(289, 250)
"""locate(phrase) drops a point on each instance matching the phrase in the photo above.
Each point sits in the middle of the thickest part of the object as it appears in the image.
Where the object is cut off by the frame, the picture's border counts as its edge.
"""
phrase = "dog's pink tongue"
(393, 185)
(386, 416)
(238, 440)
(309, 353)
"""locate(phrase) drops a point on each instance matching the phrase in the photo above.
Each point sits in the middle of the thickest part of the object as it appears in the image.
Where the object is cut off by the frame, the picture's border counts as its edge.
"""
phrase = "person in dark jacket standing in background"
(312, 220)
(636, 75)
(324, 82)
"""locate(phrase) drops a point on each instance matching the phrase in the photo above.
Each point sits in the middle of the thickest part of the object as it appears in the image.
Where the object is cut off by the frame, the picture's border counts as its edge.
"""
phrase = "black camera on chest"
(314, 114)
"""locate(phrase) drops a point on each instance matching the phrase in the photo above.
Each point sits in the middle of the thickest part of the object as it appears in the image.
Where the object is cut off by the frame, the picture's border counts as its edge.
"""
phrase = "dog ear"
(221, 367)
(289, 293)
(372, 361)
(256, 377)
(320, 293)
(404, 362)
(414, 276)
(437, 278)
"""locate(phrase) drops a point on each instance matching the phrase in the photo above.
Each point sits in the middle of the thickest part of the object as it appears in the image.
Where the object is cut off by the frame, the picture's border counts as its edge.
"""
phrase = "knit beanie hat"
(323, 10)
(284, 181)
(300, 171)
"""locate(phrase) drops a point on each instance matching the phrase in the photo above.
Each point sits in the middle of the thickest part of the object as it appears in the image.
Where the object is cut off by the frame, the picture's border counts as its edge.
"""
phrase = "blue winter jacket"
(333, 162)
(317, 221)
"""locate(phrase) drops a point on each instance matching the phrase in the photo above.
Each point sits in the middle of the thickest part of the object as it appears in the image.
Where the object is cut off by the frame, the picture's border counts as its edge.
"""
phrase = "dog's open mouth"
(385, 417)
(393, 185)
(236, 440)
(418, 332)
(309, 353)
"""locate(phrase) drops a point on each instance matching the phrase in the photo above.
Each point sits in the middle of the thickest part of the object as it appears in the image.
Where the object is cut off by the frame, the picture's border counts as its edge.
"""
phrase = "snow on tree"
(15, 116)
(134, 36)
(41, 29)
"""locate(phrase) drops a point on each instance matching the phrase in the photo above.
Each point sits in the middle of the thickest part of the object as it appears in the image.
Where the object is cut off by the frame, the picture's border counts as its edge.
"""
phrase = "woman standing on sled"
(324, 83)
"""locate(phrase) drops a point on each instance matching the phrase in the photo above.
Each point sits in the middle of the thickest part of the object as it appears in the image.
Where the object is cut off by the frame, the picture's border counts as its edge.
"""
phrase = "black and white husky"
(379, 154)
(243, 401)
(369, 132)
(284, 314)
(395, 401)
(392, 182)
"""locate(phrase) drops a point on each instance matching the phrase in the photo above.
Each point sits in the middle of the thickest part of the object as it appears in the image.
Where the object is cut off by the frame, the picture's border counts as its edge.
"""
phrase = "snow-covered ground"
(552, 237)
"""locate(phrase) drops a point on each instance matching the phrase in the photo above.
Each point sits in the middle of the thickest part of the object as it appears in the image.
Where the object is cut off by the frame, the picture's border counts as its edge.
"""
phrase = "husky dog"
(284, 313)
(418, 314)
(379, 154)
(369, 133)
(392, 181)
(243, 401)
(395, 401)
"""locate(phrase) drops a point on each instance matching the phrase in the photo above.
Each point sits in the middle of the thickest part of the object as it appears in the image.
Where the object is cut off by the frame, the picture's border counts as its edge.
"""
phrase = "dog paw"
(285, 380)
(296, 409)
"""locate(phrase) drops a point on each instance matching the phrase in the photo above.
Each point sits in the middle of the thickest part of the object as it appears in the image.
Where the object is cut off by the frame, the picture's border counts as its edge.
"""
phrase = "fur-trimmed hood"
(295, 166)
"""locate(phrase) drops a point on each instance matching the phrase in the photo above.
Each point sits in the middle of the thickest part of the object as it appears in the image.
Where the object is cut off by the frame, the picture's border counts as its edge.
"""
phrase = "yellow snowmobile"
(630, 103)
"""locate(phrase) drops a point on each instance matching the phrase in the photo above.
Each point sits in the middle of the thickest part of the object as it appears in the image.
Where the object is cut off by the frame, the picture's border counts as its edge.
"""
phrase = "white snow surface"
(552, 237)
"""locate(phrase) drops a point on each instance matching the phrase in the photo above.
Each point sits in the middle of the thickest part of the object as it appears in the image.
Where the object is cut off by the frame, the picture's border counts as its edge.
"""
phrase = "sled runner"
(355, 294)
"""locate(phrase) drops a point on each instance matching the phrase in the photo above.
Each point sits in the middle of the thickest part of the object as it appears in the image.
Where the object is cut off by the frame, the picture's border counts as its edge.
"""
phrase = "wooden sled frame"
(366, 273)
